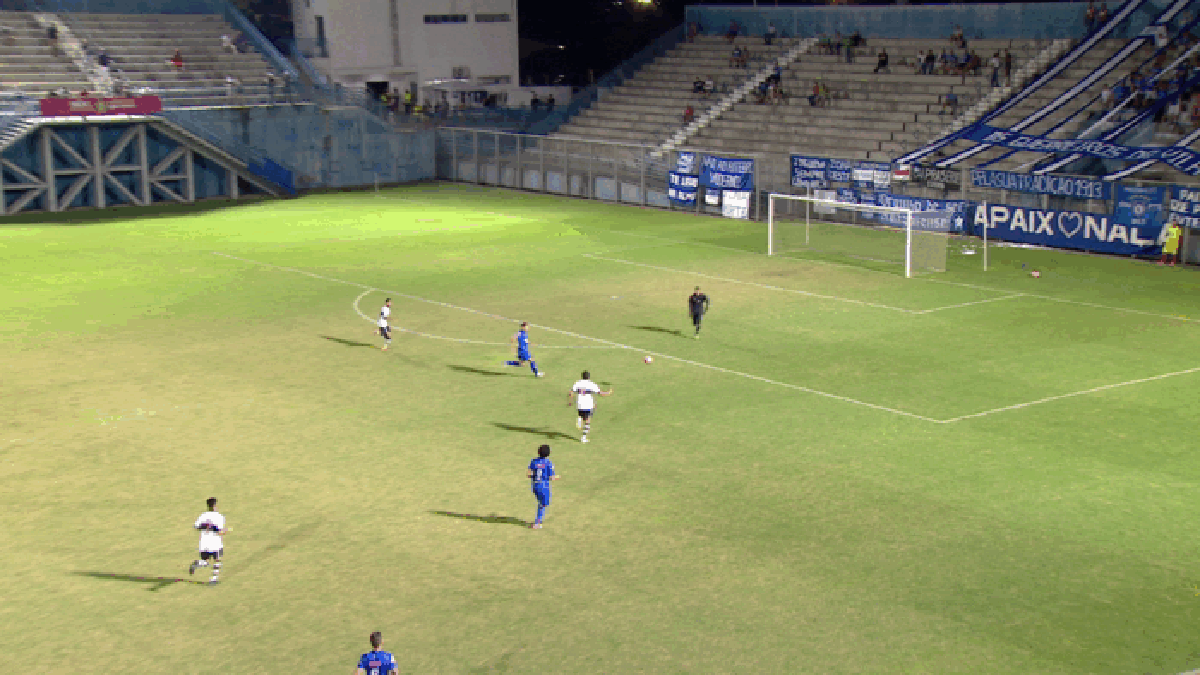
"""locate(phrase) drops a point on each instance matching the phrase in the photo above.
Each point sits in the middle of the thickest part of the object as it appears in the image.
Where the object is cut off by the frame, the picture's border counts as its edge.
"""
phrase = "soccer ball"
(648, 359)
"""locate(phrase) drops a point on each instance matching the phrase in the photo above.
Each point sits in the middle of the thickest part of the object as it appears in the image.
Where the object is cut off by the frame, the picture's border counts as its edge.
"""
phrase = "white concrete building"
(461, 49)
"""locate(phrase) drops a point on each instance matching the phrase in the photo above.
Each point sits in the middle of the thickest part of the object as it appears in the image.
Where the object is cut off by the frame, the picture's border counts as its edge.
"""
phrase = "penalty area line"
(610, 343)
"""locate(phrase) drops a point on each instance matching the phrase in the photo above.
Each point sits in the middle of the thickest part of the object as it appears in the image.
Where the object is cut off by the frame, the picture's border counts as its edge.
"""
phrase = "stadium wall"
(1025, 20)
(322, 147)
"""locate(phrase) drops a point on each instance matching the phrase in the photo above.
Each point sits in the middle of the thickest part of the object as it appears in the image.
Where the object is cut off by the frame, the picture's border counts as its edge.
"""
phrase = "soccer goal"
(918, 240)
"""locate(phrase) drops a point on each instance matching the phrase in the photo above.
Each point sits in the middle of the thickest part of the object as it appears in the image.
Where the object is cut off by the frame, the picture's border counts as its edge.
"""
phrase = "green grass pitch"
(850, 472)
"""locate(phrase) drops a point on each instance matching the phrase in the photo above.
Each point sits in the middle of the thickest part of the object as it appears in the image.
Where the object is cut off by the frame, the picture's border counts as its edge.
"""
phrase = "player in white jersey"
(384, 330)
(586, 390)
(212, 527)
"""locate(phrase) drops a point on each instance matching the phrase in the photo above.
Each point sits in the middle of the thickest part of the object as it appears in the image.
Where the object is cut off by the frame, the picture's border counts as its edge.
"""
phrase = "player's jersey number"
(539, 474)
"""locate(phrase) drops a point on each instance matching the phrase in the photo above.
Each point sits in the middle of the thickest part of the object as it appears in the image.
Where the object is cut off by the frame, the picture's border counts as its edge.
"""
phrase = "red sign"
(75, 107)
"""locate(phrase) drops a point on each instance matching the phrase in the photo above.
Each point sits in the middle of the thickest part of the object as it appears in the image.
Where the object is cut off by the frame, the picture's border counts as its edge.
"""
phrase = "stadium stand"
(29, 65)
(649, 107)
(141, 47)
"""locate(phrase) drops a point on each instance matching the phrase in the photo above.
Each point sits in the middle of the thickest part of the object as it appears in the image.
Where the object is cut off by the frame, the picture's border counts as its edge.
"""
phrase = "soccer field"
(850, 472)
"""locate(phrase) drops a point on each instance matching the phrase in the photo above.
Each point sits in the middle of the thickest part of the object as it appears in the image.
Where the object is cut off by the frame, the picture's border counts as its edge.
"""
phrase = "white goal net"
(827, 228)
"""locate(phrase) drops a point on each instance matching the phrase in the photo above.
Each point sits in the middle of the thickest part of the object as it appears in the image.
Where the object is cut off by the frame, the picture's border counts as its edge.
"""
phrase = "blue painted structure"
(1019, 20)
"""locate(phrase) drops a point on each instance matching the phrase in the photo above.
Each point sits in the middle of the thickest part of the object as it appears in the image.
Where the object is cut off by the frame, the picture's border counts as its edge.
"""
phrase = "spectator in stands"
(689, 115)
(177, 59)
(920, 63)
(882, 62)
(395, 102)
(231, 86)
(776, 75)
(848, 44)
(535, 103)
(761, 92)
(735, 59)
(698, 85)
(956, 37)
(83, 93)
(104, 60)
(1089, 17)
(271, 86)
(946, 61)
(771, 34)
(778, 95)
(732, 33)
(856, 39)
(815, 98)
(692, 31)
(1161, 38)
(1102, 18)
(1106, 98)
(1120, 91)
(1007, 67)
(710, 87)
(550, 103)
(949, 102)
(930, 62)
(52, 37)
(995, 69)
(6, 36)
(227, 44)
(408, 101)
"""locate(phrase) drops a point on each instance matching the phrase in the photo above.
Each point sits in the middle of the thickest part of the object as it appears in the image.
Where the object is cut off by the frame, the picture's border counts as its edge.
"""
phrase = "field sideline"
(850, 471)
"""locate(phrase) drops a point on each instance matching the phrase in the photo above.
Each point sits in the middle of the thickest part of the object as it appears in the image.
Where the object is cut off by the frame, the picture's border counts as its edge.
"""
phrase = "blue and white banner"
(1140, 206)
(840, 170)
(681, 188)
(1064, 186)
(872, 175)
(686, 163)
(809, 172)
(735, 204)
(1183, 159)
(1066, 229)
(726, 174)
(1185, 206)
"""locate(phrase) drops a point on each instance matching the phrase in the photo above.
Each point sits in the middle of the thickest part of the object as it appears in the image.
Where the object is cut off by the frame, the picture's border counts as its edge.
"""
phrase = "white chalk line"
(920, 278)
(698, 364)
(968, 304)
(609, 343)
(460, 340)
(752, 283)
(1093, 390)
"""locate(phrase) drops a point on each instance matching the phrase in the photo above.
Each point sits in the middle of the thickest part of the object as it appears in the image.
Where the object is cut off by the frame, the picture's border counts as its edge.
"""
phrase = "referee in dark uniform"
(697, 306)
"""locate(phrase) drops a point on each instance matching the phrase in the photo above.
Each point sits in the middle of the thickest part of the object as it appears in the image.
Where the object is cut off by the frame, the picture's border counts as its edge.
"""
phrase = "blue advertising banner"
(681, 188)
(840, 170)
(1185, 206)
(1066, 229)
(1183, 159)
(1140, 206)
(1064, 186)
(686, 163)
(809, 172)
(871, 175)
(726, 174)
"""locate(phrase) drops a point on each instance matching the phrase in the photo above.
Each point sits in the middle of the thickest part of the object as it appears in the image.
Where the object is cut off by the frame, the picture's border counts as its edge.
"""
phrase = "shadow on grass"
(493, 519)
(479, 371)
(659, 329)
(348, 343)
(536, 431)
(155, 583)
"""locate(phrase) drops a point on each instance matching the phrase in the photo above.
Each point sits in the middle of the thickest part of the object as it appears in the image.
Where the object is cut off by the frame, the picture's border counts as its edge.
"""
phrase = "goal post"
(820, 226)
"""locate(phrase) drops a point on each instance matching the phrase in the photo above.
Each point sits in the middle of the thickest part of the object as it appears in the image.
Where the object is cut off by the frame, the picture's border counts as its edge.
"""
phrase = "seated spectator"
(697, 86)
(1106, 98)
(83, 93)
(882, 63)
(692, 31)
(732, 33)
(52, 37)
(689, 115)
(1161, 39)
(949, 103)
(737, 59)
(177, 60)
(771, 34)
(947, 62)
(956, 37)
(778, 95)
(760, 93)
(747, 57)
(848, 44)
(550, 103)
(920, 62)
(825, 44)
(930, 62)
(535, 103)
(1121, 91)
(776, 75)
(815, 99)
(231, 85)
(710, 87)
(228, 45)
(103, 60)
(856, 39)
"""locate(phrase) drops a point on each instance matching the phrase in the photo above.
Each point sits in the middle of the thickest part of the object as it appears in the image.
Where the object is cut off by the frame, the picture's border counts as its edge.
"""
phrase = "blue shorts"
(523, 356)
(542, 492)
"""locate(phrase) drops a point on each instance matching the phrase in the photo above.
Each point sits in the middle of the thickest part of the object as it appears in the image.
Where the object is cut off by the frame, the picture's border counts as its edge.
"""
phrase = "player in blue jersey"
(376, 662)
(541, 472)
(521, 342)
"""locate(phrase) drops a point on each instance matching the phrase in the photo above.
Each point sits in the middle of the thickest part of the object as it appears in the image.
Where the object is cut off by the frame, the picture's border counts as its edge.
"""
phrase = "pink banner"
(75, 107)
